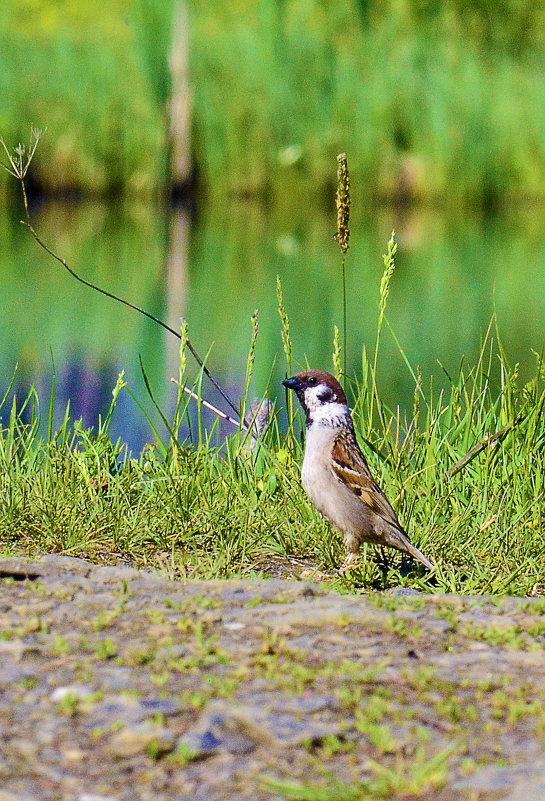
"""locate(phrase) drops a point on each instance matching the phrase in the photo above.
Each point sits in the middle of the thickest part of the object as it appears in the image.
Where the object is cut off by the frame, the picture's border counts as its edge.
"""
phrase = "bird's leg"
(348, 562)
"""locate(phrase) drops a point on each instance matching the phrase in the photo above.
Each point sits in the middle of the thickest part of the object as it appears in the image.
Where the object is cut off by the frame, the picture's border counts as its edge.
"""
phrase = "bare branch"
(207, 404)
(255, 422)
(20, 159)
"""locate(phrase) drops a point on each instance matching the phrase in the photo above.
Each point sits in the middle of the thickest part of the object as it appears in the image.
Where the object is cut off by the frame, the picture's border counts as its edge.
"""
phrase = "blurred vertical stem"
(342, 202)
(286, 342)
(389, 267)
(249, 367)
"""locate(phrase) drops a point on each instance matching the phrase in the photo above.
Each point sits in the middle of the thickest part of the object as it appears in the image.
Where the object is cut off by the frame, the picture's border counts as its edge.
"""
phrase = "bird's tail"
(409, 547)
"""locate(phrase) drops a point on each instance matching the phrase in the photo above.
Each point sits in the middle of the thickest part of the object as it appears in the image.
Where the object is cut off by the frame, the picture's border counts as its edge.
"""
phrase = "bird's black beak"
(292, 383)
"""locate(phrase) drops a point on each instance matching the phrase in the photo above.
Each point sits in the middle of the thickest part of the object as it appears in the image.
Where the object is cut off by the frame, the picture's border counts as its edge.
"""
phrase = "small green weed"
(105, 649)
(407, 778)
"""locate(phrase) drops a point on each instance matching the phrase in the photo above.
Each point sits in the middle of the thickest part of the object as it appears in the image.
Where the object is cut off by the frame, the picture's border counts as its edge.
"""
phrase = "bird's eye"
(312, 380)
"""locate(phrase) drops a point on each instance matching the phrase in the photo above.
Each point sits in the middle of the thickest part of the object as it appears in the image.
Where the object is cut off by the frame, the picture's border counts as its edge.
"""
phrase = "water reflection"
(451, 274)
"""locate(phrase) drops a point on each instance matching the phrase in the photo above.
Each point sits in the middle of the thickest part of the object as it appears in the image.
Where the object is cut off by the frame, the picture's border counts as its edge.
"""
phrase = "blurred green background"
(443, 101)
(239, 108)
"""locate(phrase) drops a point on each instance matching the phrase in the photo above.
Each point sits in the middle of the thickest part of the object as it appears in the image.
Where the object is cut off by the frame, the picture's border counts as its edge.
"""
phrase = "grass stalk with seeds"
(342, 203)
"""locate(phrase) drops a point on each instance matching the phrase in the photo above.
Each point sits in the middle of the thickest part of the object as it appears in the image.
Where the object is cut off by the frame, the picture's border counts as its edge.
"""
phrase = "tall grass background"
(436, 102)
(79, 71)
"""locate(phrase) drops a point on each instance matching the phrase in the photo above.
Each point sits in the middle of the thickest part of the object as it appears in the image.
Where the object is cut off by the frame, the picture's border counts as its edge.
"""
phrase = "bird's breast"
(317, 460)
(330, 496)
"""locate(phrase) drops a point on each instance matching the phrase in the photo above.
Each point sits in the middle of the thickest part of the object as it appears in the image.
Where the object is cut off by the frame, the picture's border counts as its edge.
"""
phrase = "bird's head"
(321, 397)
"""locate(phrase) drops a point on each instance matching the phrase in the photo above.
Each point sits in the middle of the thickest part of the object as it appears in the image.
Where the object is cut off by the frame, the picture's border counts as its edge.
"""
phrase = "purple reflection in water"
(88, 389)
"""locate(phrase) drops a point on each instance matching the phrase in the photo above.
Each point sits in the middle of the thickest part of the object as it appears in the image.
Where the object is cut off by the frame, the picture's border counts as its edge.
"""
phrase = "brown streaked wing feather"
(354, 472)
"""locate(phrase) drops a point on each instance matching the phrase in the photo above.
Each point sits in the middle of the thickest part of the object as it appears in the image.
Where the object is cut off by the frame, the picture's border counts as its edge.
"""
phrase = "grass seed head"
(342, 202)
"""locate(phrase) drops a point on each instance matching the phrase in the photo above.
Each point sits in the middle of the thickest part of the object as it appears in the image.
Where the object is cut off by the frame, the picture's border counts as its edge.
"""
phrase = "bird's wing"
(349, 466)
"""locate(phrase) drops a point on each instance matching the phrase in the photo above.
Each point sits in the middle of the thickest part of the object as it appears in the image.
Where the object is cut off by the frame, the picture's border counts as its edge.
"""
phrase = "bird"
(335, 474)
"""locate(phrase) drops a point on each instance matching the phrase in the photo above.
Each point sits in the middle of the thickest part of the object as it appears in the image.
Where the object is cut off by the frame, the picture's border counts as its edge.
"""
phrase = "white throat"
(329, 415)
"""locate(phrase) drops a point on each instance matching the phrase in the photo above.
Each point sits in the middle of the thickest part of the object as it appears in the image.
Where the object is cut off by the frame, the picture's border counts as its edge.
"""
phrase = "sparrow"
(335, 474)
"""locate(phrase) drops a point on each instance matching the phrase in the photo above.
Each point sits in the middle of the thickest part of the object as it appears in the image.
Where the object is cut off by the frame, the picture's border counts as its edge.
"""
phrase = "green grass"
(85, 74)
(411, 92)
(409, 777)
(206, 508)
(436, 102)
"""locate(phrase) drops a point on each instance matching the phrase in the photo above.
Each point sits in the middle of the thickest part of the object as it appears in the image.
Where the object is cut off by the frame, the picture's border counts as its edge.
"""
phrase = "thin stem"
(480, 446)
(344, 322)
(209, 405)
(28, 224)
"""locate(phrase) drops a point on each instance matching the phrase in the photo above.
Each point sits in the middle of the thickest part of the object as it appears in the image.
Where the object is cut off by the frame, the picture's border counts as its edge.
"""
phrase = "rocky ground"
(117, 684)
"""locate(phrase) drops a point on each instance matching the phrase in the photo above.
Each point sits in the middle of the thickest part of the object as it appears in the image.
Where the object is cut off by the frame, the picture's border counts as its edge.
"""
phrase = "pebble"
(219, 730)
(77, 691)
(135, 739)
(95, 797)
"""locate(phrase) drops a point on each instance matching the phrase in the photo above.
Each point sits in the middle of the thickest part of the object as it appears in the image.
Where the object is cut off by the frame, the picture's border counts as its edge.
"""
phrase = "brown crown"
(323, 378)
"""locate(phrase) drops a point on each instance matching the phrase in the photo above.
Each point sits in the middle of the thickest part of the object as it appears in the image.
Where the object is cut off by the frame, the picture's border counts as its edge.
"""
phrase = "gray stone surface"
(118, 685)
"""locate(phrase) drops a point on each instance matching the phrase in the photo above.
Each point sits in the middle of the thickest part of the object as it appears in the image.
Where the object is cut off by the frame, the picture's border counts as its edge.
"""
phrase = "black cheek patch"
(325, 394)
